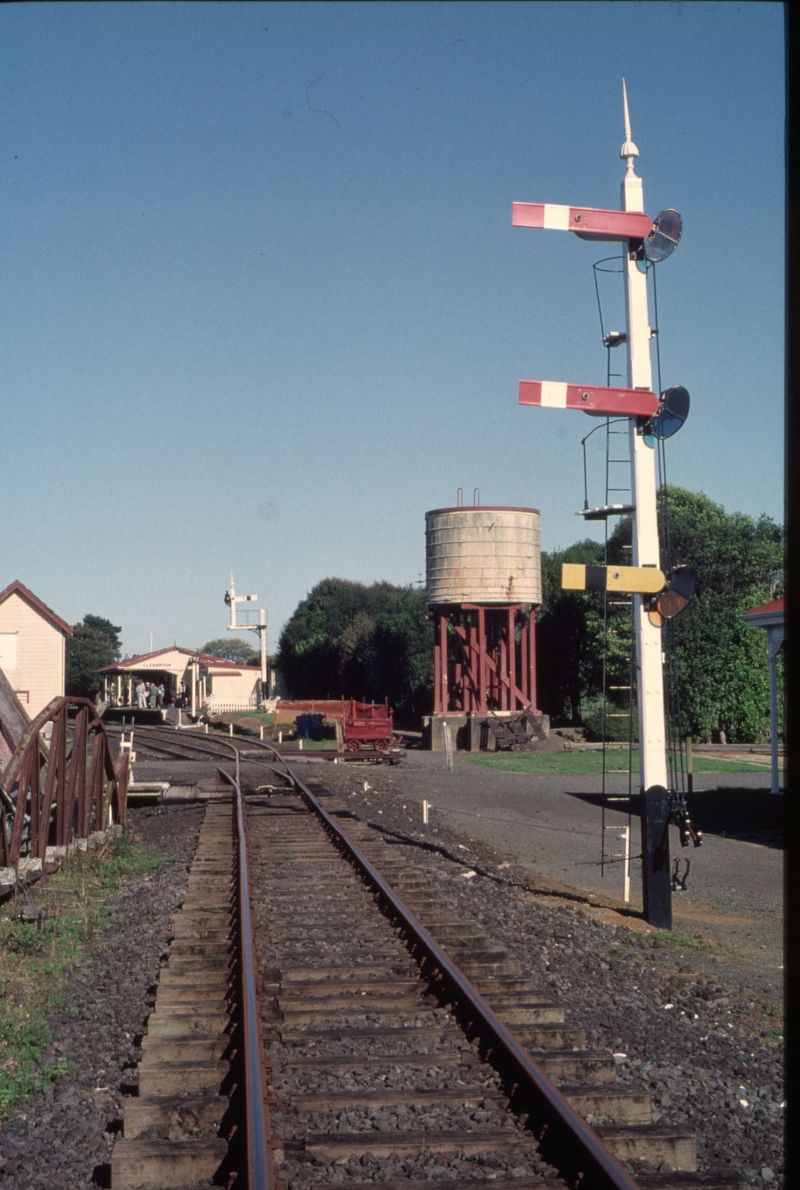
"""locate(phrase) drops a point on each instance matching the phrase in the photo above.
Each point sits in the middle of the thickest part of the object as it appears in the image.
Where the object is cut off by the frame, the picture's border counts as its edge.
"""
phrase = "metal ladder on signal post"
(619, 667)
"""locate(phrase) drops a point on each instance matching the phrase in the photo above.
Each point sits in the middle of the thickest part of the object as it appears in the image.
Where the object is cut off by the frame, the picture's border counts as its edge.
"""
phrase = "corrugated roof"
(777, 605)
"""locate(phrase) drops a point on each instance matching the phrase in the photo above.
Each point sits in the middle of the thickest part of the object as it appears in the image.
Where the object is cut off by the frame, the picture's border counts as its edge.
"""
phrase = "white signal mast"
(649, 416)
(652, 733)
(231, 599)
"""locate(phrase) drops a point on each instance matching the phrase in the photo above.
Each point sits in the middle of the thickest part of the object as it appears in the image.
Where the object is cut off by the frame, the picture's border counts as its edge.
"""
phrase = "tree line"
(346, 639)
(721, 662)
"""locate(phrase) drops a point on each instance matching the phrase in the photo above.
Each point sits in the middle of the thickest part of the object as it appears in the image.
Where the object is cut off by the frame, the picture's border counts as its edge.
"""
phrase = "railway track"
(197, 745)
(191, 744)
(399, 1043)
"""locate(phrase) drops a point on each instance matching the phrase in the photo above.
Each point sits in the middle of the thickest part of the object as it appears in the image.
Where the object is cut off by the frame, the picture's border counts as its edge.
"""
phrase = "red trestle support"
(484, 659)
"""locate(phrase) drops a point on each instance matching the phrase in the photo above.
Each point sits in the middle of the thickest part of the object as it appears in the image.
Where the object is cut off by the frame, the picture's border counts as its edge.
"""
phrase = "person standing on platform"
(141, 694)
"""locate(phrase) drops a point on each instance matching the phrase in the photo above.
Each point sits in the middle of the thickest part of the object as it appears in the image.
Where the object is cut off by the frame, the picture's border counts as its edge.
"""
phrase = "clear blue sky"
(262, 305)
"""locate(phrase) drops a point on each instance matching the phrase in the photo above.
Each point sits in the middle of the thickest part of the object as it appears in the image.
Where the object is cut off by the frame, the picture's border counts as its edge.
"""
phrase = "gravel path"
(61, 1139)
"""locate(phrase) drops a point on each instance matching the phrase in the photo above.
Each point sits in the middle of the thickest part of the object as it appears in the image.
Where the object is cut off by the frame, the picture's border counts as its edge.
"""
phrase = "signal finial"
(628, 152)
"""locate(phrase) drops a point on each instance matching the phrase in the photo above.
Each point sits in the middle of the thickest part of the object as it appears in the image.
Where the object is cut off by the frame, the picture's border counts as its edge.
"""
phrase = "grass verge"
(40, 933)
(580, 763)
(266, 717)
(677, 940)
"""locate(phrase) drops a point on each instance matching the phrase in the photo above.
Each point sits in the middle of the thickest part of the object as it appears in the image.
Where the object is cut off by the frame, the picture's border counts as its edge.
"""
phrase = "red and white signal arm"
(554, 394)
(590, 223)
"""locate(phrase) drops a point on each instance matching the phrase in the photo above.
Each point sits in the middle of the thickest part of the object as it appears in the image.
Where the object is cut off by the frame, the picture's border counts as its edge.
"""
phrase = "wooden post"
(512, 660)
(532, 693)
(437, 666)
(448, 743)
(444, 694)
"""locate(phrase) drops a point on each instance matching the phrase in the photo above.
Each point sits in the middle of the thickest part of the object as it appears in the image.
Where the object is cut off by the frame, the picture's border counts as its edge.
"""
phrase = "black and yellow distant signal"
(631, 580)
(676, 598)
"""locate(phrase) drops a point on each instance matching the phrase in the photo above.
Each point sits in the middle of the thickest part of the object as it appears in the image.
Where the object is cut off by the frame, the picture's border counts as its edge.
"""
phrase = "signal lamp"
(675, 597)
(671, 413)
(665, 236)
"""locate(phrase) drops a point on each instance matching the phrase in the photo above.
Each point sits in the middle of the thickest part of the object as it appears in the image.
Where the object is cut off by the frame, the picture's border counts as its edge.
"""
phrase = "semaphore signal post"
(642, 239)
(231, 599)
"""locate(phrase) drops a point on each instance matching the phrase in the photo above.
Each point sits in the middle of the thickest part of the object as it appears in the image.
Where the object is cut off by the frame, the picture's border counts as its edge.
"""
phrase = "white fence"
(218, 705)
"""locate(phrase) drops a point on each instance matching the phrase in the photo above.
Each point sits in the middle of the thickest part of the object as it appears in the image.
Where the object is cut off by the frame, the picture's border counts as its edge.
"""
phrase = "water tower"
(483, 586)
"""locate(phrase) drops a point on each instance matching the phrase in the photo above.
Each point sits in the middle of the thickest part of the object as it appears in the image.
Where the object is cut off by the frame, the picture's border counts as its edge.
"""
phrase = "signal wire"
(676, 760)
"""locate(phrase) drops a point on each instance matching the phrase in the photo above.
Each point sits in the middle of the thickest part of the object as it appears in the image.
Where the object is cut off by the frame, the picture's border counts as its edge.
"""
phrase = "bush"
(617, 730)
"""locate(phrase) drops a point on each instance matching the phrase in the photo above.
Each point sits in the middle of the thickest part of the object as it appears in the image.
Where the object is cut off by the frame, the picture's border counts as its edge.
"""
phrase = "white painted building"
(32, 647)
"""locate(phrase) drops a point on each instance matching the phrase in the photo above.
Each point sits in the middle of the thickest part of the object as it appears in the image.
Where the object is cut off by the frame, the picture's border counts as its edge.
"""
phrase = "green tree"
(722, 662)
(723, 677)
(232, 649)
(360, 642)
(94, 644)
(569, 637)
(315, 650)
(404, 652)
(107, 629)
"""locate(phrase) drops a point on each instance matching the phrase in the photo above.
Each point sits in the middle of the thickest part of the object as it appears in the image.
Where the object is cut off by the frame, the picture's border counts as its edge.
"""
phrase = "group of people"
(149, 691)
(148, 695)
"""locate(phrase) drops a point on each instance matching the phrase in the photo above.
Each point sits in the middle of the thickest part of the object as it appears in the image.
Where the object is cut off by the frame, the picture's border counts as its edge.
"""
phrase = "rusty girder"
(65, 791)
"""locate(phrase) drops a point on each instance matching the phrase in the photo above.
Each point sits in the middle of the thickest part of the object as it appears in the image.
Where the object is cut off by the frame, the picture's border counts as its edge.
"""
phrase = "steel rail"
(204, 749)
(587, 1159)
(590, 1162)
(151, 732)
(161, 739)
(259, 1155)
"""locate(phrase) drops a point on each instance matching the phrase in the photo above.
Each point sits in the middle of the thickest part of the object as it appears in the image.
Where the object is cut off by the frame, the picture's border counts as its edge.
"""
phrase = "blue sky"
(262, 305)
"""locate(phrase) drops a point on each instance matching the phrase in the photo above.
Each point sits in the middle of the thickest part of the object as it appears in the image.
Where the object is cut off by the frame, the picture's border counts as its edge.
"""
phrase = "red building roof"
(208, 660)
(777, 605)
(19, 588)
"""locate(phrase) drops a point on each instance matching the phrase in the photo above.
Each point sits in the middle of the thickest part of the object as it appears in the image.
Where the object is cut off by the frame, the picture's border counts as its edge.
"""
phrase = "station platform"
(154, 716)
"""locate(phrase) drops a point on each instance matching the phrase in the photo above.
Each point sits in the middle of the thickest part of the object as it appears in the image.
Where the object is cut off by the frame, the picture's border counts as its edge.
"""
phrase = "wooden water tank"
(485, 555)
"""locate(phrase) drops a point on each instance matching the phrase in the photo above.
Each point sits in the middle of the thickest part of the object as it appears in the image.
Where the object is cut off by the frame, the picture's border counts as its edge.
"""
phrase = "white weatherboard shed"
(32, 647)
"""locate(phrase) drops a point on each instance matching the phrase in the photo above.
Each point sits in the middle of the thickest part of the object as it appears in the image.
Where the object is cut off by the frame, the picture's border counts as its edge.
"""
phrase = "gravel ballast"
(694, 1022)
(697, 1024)
(61, 1139)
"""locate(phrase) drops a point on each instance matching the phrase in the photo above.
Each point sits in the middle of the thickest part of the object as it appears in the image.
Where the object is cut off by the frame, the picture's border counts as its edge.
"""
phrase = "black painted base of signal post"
(656, 878)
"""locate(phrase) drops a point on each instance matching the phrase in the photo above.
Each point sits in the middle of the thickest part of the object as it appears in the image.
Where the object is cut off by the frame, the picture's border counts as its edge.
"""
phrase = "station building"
(32, 647)
(218, 685)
